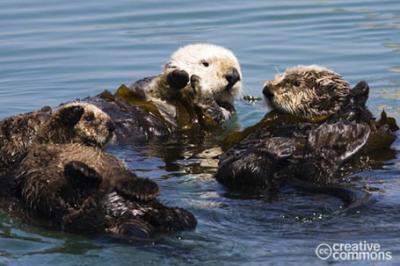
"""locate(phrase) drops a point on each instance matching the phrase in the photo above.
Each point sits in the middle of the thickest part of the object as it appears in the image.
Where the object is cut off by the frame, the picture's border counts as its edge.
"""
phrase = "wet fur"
(289, 145)
(185, 88)
(66, 124)
(308, 91)
(85, 190)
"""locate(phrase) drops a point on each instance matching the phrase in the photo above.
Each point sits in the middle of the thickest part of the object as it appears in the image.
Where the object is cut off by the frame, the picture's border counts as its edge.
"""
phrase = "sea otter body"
(53, 159)
(280, 150)
(305, 139)
(82, 189)
(196, 91)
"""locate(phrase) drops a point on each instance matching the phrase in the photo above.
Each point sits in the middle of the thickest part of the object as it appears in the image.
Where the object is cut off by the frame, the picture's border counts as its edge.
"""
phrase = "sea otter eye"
(205, 63)
(89, 117)
(296, 83)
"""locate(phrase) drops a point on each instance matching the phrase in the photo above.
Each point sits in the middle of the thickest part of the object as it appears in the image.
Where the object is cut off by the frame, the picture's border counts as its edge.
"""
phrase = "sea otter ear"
(70, 115)
(178, 79)
(360, 93)
(80, 174)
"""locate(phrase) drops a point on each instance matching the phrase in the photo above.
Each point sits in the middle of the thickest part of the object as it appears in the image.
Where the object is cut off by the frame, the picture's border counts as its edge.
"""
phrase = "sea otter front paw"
(135, 229)
(86, 218)
(81, 174)
(195, 84)
(166, 219)
(178, 79)
(138, 189)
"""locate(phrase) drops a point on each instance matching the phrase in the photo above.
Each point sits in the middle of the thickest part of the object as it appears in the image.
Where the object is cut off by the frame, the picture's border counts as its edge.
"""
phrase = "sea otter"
(79, 188)
(319, 132)
(195, 91)
(74, 122)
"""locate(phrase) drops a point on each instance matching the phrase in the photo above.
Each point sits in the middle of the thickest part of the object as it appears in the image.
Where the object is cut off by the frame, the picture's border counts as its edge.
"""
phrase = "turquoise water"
(54, 51)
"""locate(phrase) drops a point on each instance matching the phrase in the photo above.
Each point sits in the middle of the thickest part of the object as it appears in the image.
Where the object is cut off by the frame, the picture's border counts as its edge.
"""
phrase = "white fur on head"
(211, 63)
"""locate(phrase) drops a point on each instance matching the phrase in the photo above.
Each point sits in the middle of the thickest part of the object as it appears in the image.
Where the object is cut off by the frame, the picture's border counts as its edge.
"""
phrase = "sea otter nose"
(267, 92)
(232, 76)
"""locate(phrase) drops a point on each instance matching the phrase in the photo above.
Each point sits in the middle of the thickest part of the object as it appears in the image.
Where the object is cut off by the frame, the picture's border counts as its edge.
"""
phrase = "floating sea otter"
(65, 181)
(81, 189)
(320, 132)
(196, 91)
(75, 122)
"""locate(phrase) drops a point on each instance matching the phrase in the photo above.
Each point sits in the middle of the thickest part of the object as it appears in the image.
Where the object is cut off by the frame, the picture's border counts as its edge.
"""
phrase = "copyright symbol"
(323, 251)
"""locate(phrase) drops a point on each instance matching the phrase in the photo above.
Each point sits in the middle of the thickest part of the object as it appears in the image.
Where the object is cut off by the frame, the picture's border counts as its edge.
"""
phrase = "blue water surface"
(56, 51)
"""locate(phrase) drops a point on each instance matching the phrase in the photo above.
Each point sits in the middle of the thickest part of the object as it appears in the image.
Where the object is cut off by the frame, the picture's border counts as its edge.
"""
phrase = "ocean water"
(55, 51)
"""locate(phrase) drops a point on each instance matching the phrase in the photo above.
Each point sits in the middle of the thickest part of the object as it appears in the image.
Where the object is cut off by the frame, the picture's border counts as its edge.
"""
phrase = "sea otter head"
(307, 91)
(216, 67)
(78, 122)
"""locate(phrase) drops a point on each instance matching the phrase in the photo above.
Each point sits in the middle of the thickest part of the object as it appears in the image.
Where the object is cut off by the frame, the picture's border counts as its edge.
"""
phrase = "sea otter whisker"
(277, 70)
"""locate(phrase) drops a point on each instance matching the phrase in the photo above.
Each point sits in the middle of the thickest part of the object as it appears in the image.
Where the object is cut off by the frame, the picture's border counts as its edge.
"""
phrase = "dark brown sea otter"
(319, 133)
(75, 122)
(81, 189)
(53, 165)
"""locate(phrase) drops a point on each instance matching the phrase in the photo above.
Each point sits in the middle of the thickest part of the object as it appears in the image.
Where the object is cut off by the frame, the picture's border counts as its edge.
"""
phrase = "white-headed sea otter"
(195, 90)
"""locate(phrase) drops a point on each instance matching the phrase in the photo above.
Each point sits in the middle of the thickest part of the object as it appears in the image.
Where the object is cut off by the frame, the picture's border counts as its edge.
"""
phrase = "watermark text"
(357, 251)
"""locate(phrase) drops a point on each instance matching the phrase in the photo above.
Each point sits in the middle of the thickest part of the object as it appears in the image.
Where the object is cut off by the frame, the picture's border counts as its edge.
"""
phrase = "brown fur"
(86, 190)
(307, 91)
(77, 122)
(17, 134)
(74, 122)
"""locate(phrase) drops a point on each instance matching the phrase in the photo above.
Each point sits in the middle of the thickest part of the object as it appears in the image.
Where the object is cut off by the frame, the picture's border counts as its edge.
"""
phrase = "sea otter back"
(17, 134)
(131, 123)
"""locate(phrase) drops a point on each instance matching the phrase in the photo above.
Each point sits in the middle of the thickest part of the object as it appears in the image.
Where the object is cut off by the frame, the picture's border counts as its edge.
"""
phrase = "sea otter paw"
(88, 207)
(142, 189)
(81, 173)
(195, 84)
(133, 229)
(172, 220)
(178, 79)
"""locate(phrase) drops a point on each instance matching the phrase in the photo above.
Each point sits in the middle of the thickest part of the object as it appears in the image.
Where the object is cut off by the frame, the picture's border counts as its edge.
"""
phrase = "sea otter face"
(307, 91)
(90, 125)
(216, 67)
